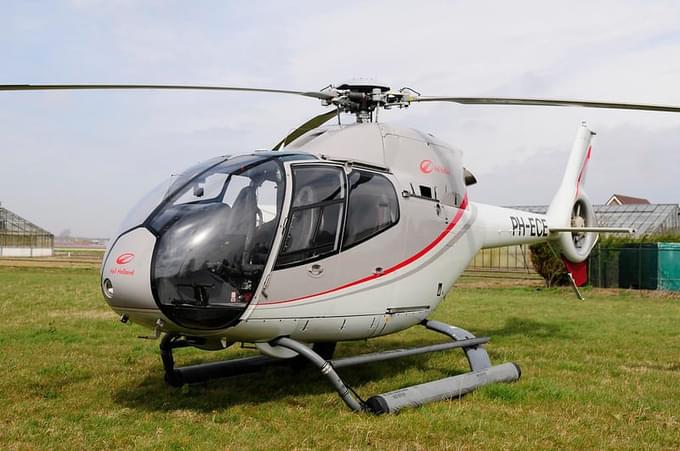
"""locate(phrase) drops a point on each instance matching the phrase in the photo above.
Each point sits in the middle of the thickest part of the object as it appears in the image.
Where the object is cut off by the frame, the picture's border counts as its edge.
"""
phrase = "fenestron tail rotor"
(578, 220)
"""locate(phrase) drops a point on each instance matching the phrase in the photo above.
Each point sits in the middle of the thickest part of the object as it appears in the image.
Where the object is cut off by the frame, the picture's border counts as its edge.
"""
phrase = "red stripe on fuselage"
(398, 266)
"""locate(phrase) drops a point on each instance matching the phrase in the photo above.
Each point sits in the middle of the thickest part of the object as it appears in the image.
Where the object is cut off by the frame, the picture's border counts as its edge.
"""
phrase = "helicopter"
(338, 232)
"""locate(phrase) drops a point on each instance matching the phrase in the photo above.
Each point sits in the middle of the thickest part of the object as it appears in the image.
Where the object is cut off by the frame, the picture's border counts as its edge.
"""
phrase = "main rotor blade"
(316, 95)
(311, 124)
(546, 102)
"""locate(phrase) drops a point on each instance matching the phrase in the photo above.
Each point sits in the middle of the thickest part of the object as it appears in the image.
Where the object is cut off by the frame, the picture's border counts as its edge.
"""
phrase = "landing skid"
(482, 372)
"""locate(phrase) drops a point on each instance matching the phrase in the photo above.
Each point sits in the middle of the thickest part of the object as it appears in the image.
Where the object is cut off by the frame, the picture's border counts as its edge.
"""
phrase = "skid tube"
(482, 372)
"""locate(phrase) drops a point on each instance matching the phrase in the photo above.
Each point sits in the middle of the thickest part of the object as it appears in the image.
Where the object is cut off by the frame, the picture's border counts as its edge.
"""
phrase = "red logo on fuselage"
(124, 259)
(427, 167)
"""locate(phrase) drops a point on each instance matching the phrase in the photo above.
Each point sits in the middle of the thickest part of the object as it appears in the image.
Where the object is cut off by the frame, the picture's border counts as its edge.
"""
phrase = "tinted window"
(373, 207)
(315, 216)
(315, 184)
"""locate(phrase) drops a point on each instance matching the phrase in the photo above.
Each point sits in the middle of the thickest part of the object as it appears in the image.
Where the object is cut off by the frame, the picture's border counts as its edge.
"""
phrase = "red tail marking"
(583, 170)
(579, 271)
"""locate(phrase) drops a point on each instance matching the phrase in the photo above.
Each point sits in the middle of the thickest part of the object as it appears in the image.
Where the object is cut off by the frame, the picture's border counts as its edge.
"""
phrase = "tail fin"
(571, 207)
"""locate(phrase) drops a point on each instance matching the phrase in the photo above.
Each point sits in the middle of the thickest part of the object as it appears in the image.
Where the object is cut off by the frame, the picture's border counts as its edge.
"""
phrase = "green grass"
(603, 373)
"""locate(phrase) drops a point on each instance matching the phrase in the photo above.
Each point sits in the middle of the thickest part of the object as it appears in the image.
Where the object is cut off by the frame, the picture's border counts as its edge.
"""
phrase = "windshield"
(215, 235)
(143, 208)
(147, 204)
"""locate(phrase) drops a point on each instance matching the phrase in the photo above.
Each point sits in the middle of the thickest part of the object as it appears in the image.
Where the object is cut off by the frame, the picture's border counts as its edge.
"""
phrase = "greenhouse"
(645, 219)
(22, 238)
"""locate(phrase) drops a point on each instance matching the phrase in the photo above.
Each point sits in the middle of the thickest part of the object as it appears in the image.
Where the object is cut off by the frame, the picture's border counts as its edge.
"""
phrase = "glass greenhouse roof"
(13, 224)
(646, 219)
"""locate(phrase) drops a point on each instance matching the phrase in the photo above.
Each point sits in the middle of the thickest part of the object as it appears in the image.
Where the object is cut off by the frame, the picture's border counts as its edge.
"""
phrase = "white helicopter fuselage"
(395, 250)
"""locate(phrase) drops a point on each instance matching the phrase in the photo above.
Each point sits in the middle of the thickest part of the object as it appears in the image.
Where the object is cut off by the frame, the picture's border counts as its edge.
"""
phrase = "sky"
(79, 161)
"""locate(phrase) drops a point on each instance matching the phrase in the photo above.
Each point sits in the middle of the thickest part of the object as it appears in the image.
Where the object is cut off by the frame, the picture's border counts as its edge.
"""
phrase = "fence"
(509, 258)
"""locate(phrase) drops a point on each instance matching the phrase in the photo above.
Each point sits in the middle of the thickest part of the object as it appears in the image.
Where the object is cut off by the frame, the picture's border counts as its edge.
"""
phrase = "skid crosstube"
(482, 372)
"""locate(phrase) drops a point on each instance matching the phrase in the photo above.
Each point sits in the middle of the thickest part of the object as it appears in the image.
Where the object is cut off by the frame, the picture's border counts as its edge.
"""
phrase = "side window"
(316, 213)
(373, 207)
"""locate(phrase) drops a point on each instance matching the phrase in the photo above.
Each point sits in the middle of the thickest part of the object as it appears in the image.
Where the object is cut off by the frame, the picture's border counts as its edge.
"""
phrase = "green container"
(669, 266)
(638, 266)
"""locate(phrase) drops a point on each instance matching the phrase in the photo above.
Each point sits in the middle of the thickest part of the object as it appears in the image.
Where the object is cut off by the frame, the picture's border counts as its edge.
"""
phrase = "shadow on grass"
(525, 327)
(276, 383)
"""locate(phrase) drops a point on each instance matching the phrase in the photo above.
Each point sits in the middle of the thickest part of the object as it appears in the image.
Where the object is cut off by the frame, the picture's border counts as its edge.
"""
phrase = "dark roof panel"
(627, 200)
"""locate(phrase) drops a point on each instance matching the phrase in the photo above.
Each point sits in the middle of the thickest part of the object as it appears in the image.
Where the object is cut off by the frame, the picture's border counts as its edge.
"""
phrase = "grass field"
(604, 373)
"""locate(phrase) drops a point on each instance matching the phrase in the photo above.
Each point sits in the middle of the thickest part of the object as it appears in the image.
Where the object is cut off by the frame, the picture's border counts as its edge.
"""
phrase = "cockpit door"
(304, 260)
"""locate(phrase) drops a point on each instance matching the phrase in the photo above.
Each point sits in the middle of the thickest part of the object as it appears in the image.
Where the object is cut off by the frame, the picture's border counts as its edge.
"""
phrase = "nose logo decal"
(124, 259)
(426, 166)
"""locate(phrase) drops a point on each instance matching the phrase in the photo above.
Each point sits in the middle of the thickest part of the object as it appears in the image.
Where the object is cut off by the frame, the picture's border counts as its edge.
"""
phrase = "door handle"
(315, 270)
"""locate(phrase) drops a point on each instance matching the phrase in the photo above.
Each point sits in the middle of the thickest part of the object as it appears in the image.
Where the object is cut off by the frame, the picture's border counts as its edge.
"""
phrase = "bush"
(548, 265)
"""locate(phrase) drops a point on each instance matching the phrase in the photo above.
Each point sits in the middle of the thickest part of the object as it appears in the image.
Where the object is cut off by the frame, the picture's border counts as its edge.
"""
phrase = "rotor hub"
(362, 97)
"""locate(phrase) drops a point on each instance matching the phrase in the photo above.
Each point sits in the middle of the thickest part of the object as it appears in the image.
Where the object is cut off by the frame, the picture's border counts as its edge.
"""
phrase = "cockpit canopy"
(214, 234)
